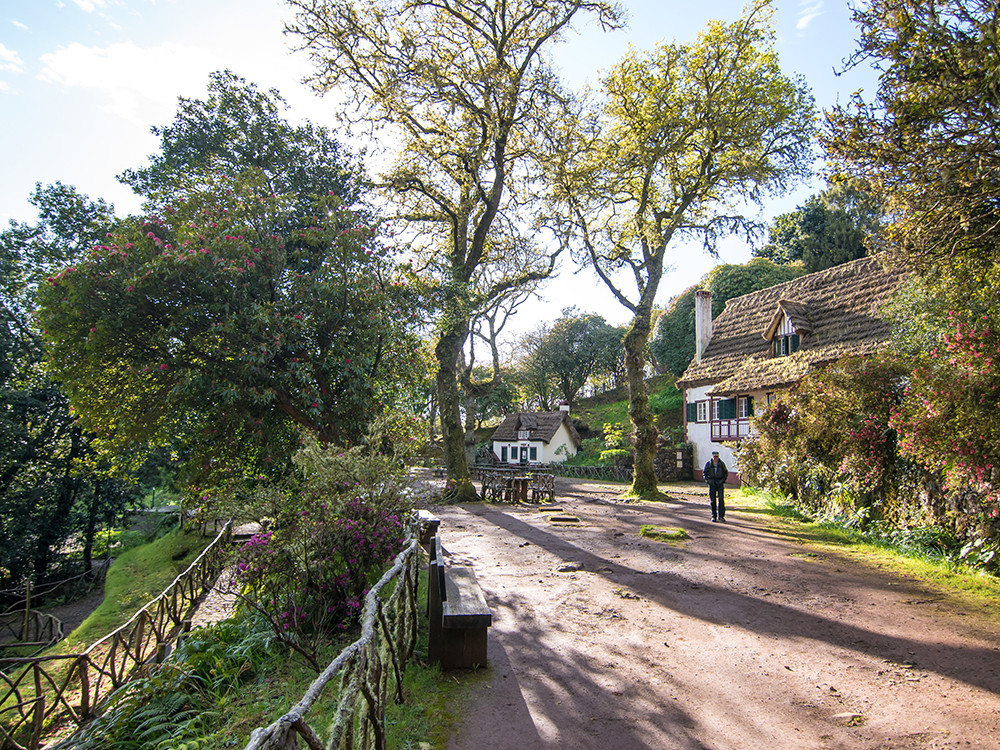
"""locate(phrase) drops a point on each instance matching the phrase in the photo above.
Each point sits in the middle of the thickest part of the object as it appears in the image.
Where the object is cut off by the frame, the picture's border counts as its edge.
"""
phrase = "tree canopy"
(467, 95)
(829, 229)
(560, 359)
(237, 128)
(926, 145)
(686, 133)
(201, 327)
(51, 483)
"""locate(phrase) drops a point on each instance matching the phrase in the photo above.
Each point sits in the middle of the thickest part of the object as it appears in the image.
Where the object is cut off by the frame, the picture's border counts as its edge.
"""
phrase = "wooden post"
(38, 719)
(27, 609)
(82, 668)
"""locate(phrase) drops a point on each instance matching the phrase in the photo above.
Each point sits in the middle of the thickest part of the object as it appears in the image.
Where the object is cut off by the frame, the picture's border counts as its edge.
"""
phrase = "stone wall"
(674, 462)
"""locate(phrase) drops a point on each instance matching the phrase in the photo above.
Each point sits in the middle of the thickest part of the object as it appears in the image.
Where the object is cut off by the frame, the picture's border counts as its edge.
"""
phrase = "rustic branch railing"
(38, 630)
(38, 692)
(74, 585)
(367, 668)
(613, 473)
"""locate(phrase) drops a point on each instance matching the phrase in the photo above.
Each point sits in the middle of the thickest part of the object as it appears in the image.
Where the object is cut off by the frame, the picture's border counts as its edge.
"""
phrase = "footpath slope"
(737, 638)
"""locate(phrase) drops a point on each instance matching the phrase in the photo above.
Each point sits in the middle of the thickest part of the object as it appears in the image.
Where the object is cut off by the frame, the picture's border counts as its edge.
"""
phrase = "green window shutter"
(749, 406)
(727, 408)
(692, 412)
(534, 454)
(503, 454)
(793, 343)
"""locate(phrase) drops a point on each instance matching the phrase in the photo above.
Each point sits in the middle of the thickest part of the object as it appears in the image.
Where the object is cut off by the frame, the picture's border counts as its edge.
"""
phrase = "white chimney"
(702, 322)
(564, 406)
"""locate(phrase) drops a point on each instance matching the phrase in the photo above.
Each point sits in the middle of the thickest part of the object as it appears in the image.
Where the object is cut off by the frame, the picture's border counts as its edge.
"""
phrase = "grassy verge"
(966, 586)
(136, 577)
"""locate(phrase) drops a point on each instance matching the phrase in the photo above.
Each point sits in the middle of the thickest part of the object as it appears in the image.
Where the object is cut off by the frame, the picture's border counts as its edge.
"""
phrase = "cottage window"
(745, 408)
(702, 411)
(503, 454)
(534, 453)
(522, 434)
(785, 345)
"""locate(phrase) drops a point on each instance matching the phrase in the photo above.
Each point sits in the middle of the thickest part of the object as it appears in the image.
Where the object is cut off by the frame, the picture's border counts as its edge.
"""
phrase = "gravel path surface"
(735, 638)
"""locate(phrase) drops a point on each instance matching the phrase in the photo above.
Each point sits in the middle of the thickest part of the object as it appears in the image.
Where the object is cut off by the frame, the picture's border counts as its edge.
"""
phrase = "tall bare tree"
(688, 136)
(466, 93)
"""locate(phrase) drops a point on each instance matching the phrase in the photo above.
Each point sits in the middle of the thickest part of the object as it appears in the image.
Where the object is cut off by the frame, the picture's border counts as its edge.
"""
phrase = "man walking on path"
(715, 474)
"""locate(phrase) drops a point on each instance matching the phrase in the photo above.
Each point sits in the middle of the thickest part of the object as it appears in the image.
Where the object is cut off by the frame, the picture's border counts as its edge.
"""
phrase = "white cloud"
(808, 14)
(10, 61)
(20, 25)
(134, 79)
(89, 6)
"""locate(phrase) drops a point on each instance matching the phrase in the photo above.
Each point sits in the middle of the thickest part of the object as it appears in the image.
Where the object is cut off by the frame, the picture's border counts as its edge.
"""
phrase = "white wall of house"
(700, 431)
(560, 447)
(546, 452)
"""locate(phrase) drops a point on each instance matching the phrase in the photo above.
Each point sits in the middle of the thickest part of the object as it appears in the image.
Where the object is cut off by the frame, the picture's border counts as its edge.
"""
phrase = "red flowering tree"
(949, 420)
(203, 330)
(829, 443)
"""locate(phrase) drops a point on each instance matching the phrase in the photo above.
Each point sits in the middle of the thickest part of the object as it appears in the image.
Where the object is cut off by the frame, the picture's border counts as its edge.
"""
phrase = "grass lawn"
(135, 578)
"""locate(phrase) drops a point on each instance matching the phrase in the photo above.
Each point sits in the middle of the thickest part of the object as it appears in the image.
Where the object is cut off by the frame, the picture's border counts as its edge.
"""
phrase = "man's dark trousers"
(716, 495)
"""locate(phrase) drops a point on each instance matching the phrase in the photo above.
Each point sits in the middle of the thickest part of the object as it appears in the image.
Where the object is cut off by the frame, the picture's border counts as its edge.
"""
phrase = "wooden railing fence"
(74, 586)
(69, 688)
(598, 473)
(32, 629)
(367, 669)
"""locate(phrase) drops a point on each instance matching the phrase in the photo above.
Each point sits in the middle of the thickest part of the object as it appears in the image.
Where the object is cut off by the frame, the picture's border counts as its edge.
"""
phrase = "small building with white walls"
(527, 438)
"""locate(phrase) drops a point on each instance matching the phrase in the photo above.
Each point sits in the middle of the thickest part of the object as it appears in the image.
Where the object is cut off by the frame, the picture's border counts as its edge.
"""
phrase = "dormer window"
(785, 345)
(790, 320)
(523, 434)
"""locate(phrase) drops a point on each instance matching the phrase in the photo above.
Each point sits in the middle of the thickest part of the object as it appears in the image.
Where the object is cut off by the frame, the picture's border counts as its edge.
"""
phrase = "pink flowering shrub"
(328, 542)
(828, 444)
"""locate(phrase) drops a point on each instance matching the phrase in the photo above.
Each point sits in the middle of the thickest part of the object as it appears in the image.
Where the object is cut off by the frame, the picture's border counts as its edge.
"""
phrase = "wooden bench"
(427, 527)
(458, 612)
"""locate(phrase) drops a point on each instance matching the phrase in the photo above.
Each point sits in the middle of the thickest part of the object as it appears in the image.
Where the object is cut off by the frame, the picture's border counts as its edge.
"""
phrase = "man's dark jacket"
(716, 473)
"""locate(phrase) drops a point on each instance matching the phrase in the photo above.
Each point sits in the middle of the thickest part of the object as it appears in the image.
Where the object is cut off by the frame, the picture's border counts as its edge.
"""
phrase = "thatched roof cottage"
(765, 341)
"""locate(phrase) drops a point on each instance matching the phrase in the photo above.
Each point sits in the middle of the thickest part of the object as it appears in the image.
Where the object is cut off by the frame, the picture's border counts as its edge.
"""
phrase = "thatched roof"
(541, 425)
(835, 312)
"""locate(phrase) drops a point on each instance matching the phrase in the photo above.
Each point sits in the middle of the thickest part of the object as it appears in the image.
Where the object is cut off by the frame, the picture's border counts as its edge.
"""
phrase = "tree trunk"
(91, 528)
(447, 352)
(644, 431)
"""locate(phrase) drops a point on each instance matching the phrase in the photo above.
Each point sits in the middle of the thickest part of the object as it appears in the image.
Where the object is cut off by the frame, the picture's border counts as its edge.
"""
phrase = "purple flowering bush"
(330, 541)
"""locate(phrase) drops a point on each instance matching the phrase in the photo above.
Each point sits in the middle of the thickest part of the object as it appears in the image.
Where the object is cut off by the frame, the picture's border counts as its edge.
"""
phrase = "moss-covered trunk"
(447, 352)
(644, 431)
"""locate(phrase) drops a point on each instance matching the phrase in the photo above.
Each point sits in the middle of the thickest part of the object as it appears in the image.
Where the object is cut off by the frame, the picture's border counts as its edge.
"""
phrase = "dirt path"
(736, 639)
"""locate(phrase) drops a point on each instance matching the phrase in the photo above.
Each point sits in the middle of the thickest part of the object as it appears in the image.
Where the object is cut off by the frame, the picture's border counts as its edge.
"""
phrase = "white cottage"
(765, 341)
(536, 438)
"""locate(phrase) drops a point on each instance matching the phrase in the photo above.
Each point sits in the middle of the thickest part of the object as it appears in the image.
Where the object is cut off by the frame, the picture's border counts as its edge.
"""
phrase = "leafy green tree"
(236, 128)
(829, 229)
(50, 483)
(685, 132)
(569, 353)
(204, 331)
(927, 147)
(672, 343)
(535, 372)
(467, 92)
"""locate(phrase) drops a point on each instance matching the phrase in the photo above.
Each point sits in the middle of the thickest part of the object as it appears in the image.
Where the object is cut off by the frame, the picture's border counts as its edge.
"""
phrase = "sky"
(83, 81)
